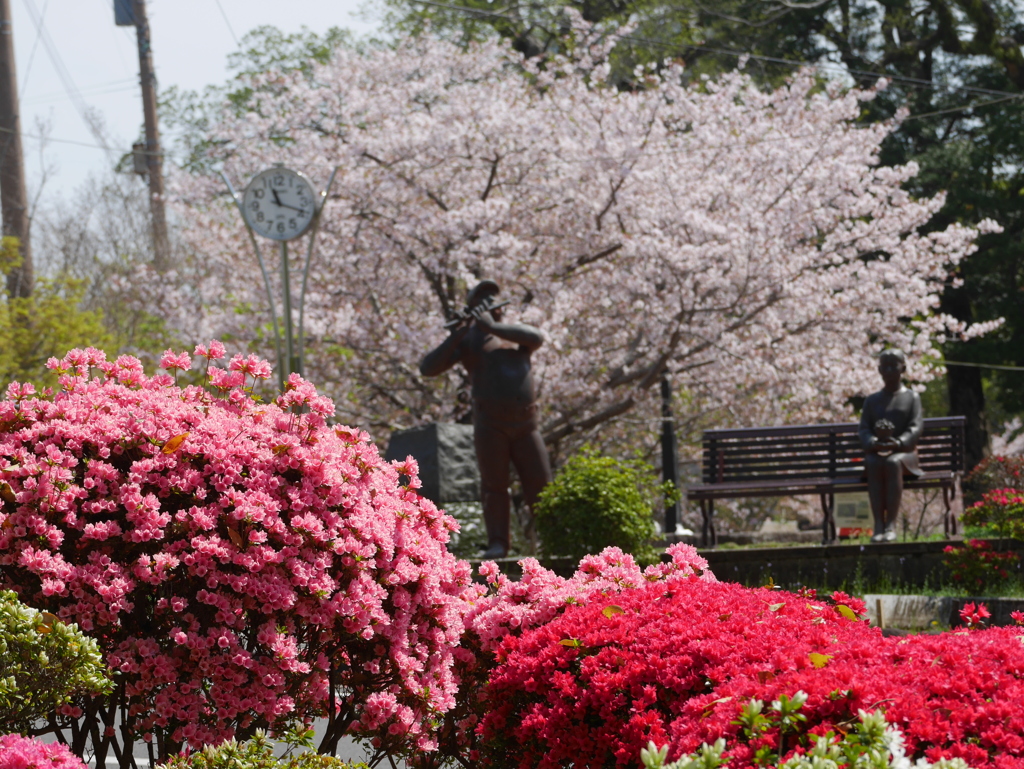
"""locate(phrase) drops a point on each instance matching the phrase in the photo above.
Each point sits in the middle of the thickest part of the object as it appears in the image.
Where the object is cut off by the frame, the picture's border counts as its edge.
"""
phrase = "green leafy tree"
(44, 665)
(43, 325)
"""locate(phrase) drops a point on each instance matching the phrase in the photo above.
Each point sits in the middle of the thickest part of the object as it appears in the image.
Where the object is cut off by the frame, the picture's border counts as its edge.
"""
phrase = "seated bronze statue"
(890, 427)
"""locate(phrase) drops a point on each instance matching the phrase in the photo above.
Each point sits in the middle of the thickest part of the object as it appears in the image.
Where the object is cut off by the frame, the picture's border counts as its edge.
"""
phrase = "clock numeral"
(255, 205)
(293, 224)
(258, 192)
(259, 216)
(279, 180)
(280, 227)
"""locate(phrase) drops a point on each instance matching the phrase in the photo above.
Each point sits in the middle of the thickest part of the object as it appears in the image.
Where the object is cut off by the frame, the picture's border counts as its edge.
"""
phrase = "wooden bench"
(816, 459)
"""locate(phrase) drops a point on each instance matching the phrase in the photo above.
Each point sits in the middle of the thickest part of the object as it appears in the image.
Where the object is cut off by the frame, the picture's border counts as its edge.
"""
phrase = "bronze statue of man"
(505, 427)
(890, 427)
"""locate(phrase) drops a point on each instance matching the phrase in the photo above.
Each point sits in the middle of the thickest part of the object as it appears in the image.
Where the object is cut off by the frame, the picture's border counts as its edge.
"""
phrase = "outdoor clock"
(279, 204)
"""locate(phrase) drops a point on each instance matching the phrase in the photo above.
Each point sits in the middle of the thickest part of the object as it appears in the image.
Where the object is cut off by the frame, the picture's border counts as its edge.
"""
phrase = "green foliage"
(871, 744)
(596, 502)
(44, 664)
(188, 115)
(257, 753)
(46, 324)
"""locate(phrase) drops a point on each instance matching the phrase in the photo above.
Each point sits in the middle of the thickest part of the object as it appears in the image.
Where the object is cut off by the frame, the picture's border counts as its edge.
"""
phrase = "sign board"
(124, 16)
(853, 515)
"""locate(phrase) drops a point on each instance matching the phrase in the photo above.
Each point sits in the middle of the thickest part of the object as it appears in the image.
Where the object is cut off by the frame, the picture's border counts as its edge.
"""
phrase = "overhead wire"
(978, 365)
(32, 53)
(100, 89)
(228, 22)
(65, 77)
(102, 145)
(912, 81)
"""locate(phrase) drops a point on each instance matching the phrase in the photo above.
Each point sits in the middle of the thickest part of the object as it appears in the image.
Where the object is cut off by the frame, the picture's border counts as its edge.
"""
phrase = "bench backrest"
(817, 451)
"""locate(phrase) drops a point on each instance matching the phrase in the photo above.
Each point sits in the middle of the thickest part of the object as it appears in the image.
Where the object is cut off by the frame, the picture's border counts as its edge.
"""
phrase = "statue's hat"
(481, 289)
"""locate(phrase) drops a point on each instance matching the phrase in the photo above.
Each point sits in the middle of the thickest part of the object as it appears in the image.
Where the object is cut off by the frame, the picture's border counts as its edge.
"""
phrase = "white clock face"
(279, 204)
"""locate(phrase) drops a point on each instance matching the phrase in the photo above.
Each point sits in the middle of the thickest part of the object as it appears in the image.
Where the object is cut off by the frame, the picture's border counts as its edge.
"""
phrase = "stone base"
(447, 460)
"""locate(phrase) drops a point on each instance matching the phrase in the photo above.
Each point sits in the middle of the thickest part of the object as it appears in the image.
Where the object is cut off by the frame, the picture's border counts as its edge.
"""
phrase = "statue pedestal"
(447, 460)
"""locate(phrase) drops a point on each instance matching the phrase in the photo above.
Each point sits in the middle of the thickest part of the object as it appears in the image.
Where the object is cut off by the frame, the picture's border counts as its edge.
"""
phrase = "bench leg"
(709, 537)
(828, 525)
(949, 522)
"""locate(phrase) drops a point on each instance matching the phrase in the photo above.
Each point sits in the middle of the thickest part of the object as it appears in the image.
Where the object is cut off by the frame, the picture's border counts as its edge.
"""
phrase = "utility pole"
(154, 156)
(13, 197)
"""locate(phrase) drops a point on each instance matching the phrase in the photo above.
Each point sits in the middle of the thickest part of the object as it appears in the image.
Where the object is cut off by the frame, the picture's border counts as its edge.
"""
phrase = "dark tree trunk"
(966, 398)
(966, 394)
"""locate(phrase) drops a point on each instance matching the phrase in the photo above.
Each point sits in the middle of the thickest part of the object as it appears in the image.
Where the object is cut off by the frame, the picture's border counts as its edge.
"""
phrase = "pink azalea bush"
(242, 564)
(17, 752)
(678, 663)
(509, 608)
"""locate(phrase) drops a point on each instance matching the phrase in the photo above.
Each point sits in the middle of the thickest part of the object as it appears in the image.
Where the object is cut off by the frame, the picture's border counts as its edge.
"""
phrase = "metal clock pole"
(266, 281)
(286, 289)
(305, 271)
(291, 358)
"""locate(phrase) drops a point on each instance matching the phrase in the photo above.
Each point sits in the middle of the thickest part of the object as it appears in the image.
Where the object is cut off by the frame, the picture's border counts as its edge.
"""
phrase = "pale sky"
(191, 43)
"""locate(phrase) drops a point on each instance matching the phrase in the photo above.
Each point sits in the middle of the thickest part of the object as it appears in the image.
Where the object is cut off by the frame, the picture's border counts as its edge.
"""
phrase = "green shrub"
(44, 664)
(870, 744)
(257, 753)
(596, 502)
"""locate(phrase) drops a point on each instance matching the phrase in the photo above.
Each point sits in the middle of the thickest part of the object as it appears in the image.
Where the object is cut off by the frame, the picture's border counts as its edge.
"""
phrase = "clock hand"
(277, 200)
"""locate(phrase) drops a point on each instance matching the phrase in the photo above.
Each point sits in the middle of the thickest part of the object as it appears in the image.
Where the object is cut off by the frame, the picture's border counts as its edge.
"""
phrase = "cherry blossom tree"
(746, 242)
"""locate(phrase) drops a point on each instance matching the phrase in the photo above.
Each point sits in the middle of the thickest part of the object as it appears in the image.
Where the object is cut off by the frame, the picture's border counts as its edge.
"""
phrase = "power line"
(978, 365)
(32, 53)
(64, 75)
(113, 86)
(741, 54)
(226, 21)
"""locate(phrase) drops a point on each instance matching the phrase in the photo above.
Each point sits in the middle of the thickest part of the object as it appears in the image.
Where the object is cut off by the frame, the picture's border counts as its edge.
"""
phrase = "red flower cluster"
(1000, 511)
(977, 566)
(676, 663)
(974, 616)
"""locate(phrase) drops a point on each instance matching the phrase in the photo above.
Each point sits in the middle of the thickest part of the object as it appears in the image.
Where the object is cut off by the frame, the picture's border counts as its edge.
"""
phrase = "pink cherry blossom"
(726, 233)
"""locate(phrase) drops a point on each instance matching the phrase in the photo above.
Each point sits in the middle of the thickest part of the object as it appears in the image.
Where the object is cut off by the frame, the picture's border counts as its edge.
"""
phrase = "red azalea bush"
(994, 473)
(17, 752)
(977, 567)
(504, 607)
(242, 564)
(1000, 511)
(675, 664)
